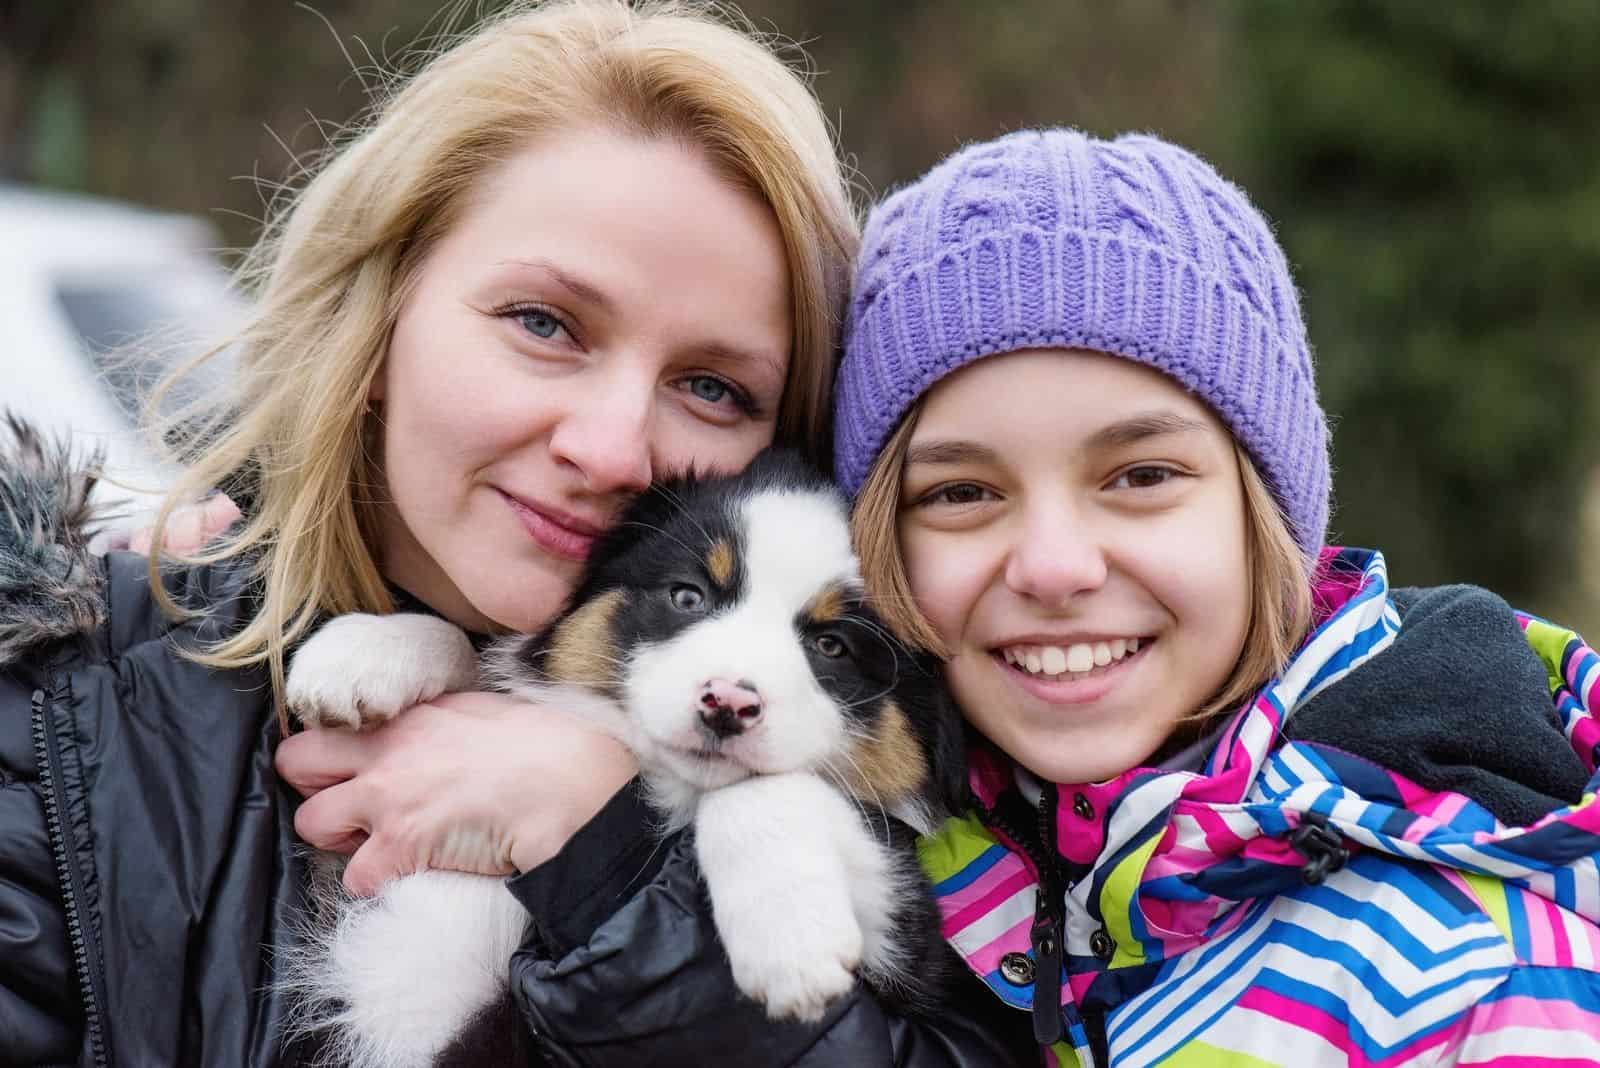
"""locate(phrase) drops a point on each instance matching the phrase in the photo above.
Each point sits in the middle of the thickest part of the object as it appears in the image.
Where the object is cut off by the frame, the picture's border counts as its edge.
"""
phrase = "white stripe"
(994, 923)
(1578, 936)
(1267, 1038)
(1572, 1047)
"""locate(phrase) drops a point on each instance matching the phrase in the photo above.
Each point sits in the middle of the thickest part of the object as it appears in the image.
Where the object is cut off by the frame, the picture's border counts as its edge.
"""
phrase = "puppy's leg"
(358, 670)
(780, 890)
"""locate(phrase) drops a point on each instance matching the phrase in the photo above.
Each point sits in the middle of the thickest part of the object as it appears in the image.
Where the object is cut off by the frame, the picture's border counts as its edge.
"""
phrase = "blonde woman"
(584, 245)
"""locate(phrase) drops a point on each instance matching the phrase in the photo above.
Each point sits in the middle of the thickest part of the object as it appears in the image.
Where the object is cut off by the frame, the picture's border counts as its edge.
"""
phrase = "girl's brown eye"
(1145, 477)
(965, 493)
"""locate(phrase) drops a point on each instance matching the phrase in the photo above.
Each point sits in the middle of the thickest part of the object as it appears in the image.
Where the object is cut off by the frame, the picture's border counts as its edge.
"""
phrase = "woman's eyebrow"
(582, 290)
(1137, 428)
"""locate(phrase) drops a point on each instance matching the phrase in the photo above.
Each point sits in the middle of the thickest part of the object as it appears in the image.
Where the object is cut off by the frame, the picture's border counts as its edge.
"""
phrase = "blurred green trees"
(1434, 171)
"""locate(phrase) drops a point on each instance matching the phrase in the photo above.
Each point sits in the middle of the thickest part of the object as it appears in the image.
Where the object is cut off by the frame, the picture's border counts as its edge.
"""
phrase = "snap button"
(1101, 945)
(1016, 969)
(1082, 807)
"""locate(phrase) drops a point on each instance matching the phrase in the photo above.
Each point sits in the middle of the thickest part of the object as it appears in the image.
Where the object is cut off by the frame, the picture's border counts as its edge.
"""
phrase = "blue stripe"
(966, 876)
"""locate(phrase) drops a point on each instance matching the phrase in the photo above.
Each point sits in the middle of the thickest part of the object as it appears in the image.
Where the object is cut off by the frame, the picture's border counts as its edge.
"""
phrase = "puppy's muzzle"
(729, 708)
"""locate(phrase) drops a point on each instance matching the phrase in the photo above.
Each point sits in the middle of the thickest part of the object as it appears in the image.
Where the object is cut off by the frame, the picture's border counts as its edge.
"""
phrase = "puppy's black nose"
(729, 708)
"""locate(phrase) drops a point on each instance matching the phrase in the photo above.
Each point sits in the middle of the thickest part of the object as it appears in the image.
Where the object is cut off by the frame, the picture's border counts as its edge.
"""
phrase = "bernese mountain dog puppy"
(721, 631)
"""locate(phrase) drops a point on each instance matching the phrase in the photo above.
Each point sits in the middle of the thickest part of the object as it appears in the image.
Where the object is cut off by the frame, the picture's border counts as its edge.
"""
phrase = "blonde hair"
(1280, 590)
(336, 260)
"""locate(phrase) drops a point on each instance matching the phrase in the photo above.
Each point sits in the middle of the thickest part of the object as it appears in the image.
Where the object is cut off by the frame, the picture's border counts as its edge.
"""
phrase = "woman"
(583, 246)
(1235, 801)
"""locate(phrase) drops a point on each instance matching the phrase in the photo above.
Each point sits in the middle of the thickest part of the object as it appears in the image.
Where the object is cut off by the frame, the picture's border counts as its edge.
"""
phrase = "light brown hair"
(1280, 590)
(336, 260)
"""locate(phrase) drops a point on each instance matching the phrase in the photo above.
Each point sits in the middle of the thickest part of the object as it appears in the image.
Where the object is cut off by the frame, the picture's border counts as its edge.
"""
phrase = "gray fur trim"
(50, 583)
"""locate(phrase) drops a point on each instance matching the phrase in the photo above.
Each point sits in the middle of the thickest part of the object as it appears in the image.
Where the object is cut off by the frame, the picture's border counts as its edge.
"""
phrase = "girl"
(1235, 800)
(496, 311)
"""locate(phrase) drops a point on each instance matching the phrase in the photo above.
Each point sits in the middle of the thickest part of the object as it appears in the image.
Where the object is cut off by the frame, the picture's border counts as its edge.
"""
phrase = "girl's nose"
(1055, 558)
(606, 436)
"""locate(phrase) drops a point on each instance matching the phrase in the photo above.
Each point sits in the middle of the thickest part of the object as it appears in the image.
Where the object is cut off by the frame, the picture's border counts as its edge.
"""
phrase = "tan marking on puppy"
(887, 765)
(719, 563)
(828, 605)
(581, 651)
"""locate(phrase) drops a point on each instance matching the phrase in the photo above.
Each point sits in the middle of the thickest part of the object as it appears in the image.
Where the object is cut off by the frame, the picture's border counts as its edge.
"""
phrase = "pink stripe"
(1541, 941)
(1305, 1017)
(956, 921)
(1007, 868)
(986, 958)
(1546, 1017)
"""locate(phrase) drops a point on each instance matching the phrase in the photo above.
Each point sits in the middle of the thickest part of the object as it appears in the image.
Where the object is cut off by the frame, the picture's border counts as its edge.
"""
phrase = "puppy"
(720, 630)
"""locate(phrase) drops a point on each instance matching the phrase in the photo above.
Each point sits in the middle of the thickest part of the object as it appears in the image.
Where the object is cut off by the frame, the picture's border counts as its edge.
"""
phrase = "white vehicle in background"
(82, 280)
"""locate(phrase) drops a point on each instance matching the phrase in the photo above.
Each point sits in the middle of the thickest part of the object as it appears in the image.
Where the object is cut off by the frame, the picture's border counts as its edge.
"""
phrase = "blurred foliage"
(1435, 175)
(1432, 169)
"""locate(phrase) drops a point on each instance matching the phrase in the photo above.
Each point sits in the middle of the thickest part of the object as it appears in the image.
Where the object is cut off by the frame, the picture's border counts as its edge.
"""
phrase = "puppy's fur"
(720, 631)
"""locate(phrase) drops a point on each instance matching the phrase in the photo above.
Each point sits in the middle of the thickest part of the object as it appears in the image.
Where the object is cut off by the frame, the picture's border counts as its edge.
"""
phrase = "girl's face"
(605, 309)
(1073, 527)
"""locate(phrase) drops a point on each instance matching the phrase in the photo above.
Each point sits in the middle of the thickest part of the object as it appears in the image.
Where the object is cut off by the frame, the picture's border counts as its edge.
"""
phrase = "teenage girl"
(1234, 798)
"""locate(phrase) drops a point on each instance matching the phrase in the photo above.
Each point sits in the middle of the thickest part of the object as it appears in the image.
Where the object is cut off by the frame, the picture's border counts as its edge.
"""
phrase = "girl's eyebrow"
(948, 452)
(1137, 428)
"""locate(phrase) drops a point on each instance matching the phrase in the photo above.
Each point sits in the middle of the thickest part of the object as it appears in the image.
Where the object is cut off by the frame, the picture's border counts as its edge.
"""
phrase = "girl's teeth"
(1053, 660)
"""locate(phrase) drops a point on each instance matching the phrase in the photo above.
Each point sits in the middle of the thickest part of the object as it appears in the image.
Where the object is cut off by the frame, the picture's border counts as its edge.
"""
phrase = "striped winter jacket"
(1291, 903)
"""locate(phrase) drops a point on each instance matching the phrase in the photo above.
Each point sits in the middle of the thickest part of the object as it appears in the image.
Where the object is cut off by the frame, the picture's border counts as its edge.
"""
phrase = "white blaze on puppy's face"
(794, 546)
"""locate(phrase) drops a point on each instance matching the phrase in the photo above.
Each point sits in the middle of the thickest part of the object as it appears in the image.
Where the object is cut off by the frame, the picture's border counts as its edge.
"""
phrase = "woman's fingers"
(316, 759)
(190, 527)
(332, 820)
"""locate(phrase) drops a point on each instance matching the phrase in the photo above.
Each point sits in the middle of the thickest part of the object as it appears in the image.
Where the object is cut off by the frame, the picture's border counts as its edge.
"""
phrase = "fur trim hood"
(51, 585)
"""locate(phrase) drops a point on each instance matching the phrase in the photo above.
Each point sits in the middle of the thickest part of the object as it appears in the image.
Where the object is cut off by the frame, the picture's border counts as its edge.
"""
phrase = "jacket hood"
(50, 587)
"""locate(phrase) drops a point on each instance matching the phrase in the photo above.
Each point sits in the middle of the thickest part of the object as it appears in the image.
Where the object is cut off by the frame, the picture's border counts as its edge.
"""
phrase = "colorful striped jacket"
(1291, 904)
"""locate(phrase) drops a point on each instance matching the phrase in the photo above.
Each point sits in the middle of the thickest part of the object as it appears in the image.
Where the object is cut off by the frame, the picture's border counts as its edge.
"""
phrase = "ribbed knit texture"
(1050, 238)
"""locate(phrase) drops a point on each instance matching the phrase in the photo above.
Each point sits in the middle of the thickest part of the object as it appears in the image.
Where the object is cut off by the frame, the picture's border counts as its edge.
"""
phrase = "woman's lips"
(558, 535)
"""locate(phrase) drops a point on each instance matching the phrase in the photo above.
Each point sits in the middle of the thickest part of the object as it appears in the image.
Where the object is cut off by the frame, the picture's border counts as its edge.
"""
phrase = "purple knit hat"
(1053, 239)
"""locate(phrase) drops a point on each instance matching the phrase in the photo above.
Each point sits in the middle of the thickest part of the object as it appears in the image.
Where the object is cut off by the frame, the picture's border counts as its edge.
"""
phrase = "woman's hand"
(188, 529)
(474, 782)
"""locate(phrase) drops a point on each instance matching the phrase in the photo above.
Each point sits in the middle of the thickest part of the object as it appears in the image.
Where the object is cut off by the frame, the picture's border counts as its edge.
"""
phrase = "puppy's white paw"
(780, 890)
(801, 971)
(358, 670)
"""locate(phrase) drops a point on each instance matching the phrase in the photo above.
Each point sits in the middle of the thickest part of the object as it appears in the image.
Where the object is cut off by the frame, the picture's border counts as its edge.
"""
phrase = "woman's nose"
(1055, 558)
(606, 436)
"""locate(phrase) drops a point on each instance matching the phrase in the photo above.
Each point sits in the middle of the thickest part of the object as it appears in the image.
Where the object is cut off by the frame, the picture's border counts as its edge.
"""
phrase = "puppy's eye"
(687, 598)
(829, 646)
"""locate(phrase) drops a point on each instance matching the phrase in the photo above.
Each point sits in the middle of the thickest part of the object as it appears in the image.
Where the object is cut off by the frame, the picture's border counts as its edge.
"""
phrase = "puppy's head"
(726, 616)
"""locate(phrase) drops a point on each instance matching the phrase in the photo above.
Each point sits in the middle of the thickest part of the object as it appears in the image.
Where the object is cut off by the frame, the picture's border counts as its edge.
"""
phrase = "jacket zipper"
(1045, 934)
(47, 752)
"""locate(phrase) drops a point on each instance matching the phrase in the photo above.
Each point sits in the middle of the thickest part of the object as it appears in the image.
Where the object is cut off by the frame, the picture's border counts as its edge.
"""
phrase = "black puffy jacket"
(149, 871)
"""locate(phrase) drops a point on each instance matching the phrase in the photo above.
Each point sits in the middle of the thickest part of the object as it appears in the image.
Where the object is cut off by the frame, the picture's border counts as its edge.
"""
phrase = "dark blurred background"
(1433, 169)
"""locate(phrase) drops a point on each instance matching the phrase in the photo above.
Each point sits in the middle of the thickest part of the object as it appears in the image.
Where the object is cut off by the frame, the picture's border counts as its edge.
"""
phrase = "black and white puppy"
(721, 631)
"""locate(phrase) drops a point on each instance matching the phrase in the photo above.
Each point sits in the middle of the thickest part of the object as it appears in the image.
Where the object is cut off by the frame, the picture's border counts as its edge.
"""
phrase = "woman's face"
(606, 309)
(1073, 527)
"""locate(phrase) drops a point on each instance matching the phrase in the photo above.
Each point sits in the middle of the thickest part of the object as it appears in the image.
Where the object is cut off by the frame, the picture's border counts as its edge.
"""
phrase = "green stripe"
(1205, 1055)
(959, 841)
(1116, 900)
(1491, 894)
(1550, 642)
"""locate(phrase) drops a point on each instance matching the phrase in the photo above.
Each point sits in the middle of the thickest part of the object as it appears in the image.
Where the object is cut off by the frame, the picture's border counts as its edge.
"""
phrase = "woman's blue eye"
(540, 324)
(714, 390)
